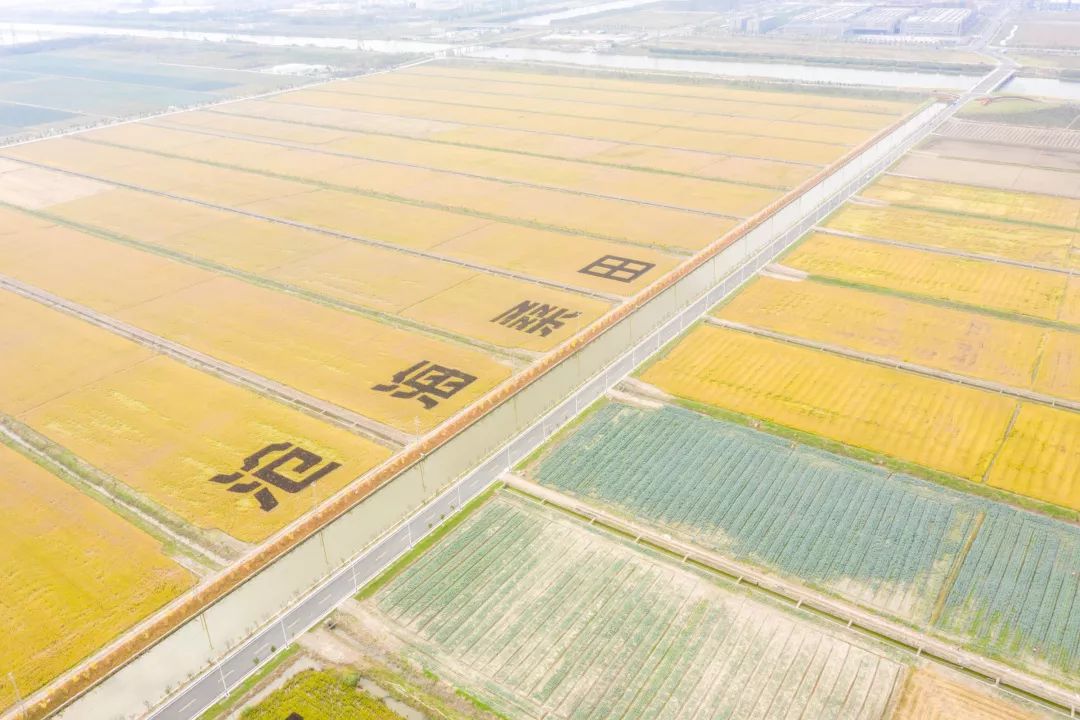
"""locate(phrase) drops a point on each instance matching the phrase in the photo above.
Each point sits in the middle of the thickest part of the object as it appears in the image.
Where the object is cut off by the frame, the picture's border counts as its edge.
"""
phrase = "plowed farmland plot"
(74, 574)
(994, 577)
(931, 695)
(977, 283)
(167, 430)
(931, 422)
(548, 617)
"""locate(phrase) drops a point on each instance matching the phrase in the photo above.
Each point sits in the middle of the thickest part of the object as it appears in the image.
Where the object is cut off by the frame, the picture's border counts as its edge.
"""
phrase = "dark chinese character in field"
(294, 716)
(426, 381)
(613, 267)
(531, 317)
(302, 473)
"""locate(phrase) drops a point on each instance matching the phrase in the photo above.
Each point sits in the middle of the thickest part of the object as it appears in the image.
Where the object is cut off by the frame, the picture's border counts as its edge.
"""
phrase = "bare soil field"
(993, 152)
(994, 175)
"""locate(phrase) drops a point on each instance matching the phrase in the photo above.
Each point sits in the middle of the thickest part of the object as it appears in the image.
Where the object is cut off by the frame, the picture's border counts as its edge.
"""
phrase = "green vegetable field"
(1001, 578)
(554, 619)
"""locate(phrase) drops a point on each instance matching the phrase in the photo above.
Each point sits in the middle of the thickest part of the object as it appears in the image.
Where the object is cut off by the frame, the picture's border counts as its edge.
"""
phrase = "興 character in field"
(426, 381)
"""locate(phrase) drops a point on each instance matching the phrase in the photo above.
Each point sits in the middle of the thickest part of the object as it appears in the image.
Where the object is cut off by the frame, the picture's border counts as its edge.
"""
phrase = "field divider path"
(798, 596)
(947, 251)
(342, 417)
(634, 143)
(587, 160)
(400, 163)
(616, 299)
(990, 386)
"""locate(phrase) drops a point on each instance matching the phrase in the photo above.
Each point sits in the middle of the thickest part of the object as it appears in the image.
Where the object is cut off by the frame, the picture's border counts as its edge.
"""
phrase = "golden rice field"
(238, 118)
(928, 694)
(1070, 308)
(951, 340)
(979, 283)
(108, 276)
(1059, 368)
(43, 373)
(157, 425)
(74, 575)
(716, 91)
(702, 140)
(595, 215)
(165, 430)
(334, 355)
(553, 255)
(1041, 456)
(955, 232)
(1003, 204)
(933, 423)
(454, 94)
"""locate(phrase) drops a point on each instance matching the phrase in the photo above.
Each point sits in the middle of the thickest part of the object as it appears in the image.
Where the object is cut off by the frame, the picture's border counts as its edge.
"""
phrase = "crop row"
(566, 619)
(889, 541)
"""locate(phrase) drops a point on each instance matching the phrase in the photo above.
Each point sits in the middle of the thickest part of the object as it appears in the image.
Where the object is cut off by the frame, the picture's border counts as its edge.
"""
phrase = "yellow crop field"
(182, 177)
(637, 222)
(137, 214)
(509, 313)
(157, 425)
(74, 575)
(660, 116)
(1032, 244)
(493, 91)
(43, 372)
(382, 220)
(1070, 308)
(974, 282)
(36, 188)
(1059, 369)
(679, 191)
(93, 272)
(933, 423)
(937, 337)
(704, 90)
(111, 277)
(81, 156)
(762, 147)
(167, 430)
(930, 695)
(256, 127)
(1041, 456)
(1026, 207)
(13, 222)
(560, 257)
(332, 355)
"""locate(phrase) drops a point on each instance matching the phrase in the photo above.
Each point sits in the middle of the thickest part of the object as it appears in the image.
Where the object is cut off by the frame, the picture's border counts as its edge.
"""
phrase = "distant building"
(880, 21)
(825, 21)
(939, 21)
